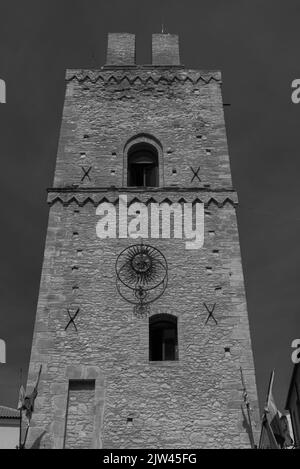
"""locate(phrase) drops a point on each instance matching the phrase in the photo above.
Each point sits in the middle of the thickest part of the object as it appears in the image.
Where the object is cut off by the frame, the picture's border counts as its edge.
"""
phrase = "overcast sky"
(255, 43)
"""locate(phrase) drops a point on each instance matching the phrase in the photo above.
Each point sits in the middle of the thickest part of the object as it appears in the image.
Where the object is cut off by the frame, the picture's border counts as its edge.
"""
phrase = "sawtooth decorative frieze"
(97, 197)
(143, 76)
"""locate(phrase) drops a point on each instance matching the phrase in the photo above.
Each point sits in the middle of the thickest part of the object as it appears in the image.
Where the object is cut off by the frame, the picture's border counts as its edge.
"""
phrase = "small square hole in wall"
(199, 137)
(218, 289)
(74, 268)
(216, 252)
(113, 153)
(129, 419)
(75, 233)
(82, 154)
(208, 151)
(86, 136)
(75, 289)
(79, 252)
(207, 212)
(76, 211)
(227, 352)
(209, 270)
(174, 171)
(211, 233)
(113, 172)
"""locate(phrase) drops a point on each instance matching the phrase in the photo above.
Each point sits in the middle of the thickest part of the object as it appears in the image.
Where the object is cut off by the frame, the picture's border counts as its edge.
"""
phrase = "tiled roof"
(8, 413)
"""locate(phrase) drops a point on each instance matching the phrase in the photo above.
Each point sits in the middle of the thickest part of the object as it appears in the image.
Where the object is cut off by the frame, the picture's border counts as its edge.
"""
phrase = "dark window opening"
(143, 166)
(81, 384)
(163, 342)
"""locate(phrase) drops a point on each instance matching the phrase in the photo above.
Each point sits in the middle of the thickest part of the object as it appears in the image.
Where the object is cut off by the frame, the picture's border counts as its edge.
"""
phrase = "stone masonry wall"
(165, 49)
(195, 402)
(103, 110)
(120, 49)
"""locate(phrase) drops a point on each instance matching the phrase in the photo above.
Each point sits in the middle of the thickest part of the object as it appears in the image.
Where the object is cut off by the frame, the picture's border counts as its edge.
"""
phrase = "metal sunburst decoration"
(142, 276)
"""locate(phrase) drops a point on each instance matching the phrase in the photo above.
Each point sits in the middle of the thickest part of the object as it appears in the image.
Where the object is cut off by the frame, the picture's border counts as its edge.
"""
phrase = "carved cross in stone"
(195, 174)
(86, 173)
(72, 319)
(210, 313)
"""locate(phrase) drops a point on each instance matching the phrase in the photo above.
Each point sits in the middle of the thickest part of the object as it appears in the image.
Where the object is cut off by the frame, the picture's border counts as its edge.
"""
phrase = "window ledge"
(164, 363)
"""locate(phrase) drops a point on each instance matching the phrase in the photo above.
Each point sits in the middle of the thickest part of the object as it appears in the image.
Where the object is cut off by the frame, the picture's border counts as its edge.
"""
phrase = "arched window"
(142, 165)
(163, 342)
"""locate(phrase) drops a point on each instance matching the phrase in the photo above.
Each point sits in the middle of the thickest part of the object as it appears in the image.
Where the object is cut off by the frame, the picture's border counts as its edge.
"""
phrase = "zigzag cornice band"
(81, 197)
(144, 76)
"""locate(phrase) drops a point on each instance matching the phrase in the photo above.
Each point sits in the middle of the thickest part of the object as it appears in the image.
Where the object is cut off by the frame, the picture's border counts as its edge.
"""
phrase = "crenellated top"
(121, 49)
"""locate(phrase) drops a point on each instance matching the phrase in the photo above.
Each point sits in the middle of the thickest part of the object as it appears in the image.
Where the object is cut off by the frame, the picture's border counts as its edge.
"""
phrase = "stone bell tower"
(141, 344)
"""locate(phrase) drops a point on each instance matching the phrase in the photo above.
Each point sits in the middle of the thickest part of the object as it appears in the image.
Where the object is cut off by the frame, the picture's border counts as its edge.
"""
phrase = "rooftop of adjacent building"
(8, 413)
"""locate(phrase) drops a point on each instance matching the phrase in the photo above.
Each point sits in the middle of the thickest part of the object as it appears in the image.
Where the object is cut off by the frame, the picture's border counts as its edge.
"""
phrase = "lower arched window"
(163, 340)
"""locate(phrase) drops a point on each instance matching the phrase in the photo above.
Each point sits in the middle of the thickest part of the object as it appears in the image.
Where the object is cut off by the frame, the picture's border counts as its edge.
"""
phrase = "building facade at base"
(9, 427)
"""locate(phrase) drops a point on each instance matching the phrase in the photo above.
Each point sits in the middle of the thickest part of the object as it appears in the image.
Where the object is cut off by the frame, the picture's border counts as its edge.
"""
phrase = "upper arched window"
(142, 165)
(163, 341)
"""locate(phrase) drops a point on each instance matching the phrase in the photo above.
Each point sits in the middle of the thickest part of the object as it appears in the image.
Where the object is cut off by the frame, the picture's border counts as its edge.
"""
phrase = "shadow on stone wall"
(246, 425)
(37, 443)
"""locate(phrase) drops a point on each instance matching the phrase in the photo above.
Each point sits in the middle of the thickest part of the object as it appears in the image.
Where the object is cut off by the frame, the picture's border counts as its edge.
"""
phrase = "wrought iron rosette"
(142, 275)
